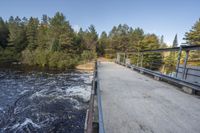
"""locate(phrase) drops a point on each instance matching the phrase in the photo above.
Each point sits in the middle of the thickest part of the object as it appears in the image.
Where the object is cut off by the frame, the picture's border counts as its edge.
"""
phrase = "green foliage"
(193, 36)
(103, 40)
(8, 55)
(17, 34)
(48, 43)
(88, 55)
(61, 34)
(62, 60)
(136, 37)
(41, 57)
(162, 43)
(31, 33)
(53, 43)
(3, 33)
(175, 42)
(119, 38)
(28, 57)
(150, 60)
(89, 38)
(42, 39)
(170, 62)
(50, 59)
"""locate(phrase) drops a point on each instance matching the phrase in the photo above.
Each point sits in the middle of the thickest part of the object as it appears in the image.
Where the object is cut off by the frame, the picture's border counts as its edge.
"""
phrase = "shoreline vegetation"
(52, 43)
(48, 43)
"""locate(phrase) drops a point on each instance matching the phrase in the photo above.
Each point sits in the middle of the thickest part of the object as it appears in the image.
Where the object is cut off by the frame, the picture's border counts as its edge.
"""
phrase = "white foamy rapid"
(26, 122)
(82, 92)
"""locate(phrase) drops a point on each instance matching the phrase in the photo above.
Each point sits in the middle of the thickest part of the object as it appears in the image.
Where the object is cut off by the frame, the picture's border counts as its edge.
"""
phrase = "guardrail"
(94, 117)
(156, 75)
(168, 78)
(181, 80)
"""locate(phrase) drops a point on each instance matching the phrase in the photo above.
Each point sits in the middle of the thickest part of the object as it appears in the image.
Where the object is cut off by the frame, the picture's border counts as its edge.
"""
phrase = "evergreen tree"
(91, 38)
(123, 38)
(162, 43)
(61, 29)
(151, 60)
(31, 33)
(3, 33)
(119, 37)
(171, 59)
(80, 40)
(136, 37)
(45, 20)
(17, 34)
(42, 34)
(103, 41)
(175, 42)
(193, 36)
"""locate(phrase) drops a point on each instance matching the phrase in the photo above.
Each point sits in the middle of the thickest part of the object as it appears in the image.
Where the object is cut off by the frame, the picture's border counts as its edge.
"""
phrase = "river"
(43, 101)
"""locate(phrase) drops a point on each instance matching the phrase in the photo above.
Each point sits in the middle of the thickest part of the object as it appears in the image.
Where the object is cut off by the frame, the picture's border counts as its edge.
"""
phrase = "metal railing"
(100, 111)
(122, 57)
(92, 125)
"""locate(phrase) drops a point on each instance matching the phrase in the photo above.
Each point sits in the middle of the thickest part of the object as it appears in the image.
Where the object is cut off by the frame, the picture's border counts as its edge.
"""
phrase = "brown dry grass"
(89, 66)
(102, 59)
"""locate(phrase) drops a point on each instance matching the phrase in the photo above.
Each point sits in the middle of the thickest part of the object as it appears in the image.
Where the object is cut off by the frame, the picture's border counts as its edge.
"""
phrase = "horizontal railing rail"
(184, 48)
(166, 77)
(95, 97)
(100, 111)
(181, 72)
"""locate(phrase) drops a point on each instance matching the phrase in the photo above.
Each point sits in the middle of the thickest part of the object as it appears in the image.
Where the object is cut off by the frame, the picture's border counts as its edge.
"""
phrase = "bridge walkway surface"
(135, 103)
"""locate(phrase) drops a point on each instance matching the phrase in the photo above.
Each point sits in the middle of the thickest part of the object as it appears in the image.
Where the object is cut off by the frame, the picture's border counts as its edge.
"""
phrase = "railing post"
(185, 63)
(124, 58)
(138, 58)
(141, 61)
(118, 58)
(178, 61)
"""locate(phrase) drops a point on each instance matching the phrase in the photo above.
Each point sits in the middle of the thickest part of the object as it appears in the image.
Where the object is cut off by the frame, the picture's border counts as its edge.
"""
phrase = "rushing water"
(43, 102)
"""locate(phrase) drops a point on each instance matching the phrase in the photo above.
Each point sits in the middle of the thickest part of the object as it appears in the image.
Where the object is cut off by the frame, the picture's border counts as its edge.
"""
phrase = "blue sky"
(162, 17)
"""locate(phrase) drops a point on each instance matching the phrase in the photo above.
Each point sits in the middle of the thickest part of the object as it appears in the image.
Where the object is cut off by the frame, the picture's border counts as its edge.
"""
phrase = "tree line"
(52, 42)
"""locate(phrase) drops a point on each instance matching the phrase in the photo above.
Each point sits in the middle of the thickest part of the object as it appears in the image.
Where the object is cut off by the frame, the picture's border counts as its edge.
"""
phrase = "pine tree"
(171, 59)
(103, 41)
(136, 37)
(17, 34)
(42, 34)
(3, 33)
(151, 60)
(91, 38)
(175, 42)
(193, 36)
(61, 29)
(31, 33)
(162, 43)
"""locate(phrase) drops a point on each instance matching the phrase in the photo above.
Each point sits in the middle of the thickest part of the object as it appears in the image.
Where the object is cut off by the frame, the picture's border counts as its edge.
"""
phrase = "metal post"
(178, 61)
(138, 59)
(118, 58)
(186, 73)
(124, 58)
(185, 63)
(141, 63)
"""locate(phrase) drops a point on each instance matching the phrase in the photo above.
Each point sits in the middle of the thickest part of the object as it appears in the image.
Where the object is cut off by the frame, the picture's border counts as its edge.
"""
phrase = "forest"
(53, 43)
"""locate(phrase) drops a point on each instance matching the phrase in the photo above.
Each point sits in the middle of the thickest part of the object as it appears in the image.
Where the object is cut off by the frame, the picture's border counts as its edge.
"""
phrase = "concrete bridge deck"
(134, 103)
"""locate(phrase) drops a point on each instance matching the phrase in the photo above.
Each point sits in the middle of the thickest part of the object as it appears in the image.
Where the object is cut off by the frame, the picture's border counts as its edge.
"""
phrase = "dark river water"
(43, 102)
